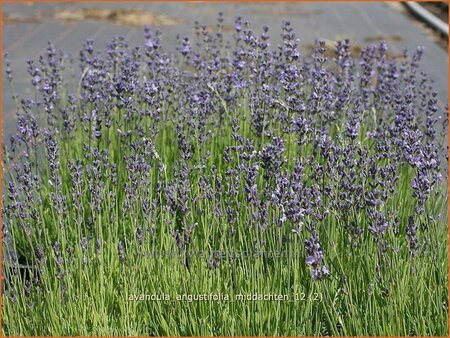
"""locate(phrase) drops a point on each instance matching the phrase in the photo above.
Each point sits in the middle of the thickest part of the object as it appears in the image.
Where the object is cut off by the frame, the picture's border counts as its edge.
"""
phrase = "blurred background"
(28, 26)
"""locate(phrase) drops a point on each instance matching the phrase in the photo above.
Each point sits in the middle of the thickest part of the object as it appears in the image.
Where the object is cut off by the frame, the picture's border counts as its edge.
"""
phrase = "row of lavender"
(225, 146)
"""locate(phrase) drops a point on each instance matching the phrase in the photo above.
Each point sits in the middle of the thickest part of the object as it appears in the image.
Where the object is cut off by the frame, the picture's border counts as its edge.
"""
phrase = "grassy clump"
(163, 190)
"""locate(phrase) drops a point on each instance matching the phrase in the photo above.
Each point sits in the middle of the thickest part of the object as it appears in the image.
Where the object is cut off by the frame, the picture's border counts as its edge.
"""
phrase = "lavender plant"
(229, 168)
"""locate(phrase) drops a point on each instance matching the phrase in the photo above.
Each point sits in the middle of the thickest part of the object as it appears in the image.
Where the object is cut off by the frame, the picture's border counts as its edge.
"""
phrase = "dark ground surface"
(29, 26)
(440, 9)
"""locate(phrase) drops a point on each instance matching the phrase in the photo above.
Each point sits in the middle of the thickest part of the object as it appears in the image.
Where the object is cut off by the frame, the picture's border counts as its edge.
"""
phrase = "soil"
(440, 9)
(130, 17)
